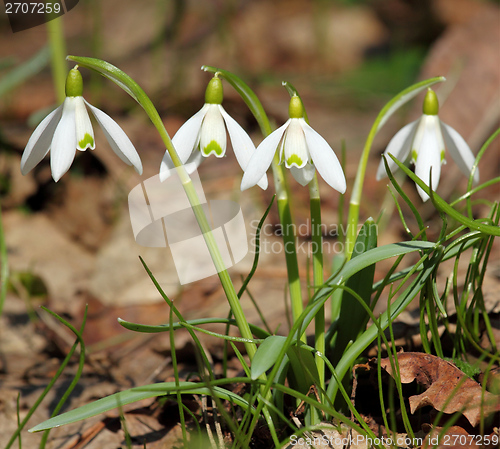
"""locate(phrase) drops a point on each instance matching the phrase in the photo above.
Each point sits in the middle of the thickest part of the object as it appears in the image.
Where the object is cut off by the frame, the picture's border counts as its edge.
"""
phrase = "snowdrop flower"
(300, 148)
(68, 129)
(425, 139)
(204, 134)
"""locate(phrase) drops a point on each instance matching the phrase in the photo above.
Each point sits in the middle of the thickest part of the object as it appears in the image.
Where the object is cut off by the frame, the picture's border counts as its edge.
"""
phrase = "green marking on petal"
(212, 147)
(294, 159)
(86, 142)
(442, 157)
(414, 155)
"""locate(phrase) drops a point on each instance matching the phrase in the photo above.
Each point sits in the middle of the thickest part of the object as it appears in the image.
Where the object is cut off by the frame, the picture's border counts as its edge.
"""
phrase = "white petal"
(213, 133)
(243, 146)
(294, 145)
(84, 131)
(186, 138)
(117, 139)
(63, 147)
(399, 146)
(262, 158)
(324, 159)
(303, 175)
(39, 143)
(167, 166)
(194, 161)
(429, 156)
(459, 151)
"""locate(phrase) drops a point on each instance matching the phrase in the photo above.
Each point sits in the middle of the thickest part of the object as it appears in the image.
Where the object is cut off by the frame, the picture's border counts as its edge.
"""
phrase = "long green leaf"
(154, 329)
(133, 395)
(302, 371)
(443, 206)
(353, 316)
(350, 268)
(370, 334)
(355, 265)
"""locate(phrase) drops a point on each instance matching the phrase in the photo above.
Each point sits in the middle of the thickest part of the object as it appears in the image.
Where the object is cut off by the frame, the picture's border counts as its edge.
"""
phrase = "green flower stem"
(357, 190)
(199, 213)
(317, 245)
(135, 91)
(285, 215)
(58, 54)
(224, 277)
(317, 242)
(190, 190)
(289, 237)
(289, 244)
(474, 168)
(255, 106)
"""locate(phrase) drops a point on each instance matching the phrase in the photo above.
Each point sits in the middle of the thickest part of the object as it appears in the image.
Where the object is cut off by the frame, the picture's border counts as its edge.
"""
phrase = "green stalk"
(383, 116)
(194, 201)
(289, 238)
(280, 183)
(134, 90)
(317, 250)
(58, 54)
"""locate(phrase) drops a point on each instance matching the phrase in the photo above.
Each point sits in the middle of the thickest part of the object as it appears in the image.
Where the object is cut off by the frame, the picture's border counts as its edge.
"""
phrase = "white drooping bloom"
(68, 129)
(425, 139)
(204, 134)
(300, 148)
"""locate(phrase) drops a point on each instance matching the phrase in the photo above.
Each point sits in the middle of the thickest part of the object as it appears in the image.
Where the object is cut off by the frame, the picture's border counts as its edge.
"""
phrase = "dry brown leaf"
(447, 388)
(454, 438)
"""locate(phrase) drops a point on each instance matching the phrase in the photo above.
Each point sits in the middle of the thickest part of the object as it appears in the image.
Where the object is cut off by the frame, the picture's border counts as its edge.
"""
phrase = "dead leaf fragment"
(454, 438)
(447, 388)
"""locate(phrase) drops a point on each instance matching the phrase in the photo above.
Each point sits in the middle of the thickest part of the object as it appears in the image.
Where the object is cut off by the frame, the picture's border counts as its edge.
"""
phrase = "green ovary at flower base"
(300, 148)
(204, 134)
(68, 128)
(425, 140)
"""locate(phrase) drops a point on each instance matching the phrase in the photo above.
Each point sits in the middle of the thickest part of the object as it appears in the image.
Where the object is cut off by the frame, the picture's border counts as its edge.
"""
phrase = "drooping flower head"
(425, 139)
(204, 134)
(68, 128)
(300, 148)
